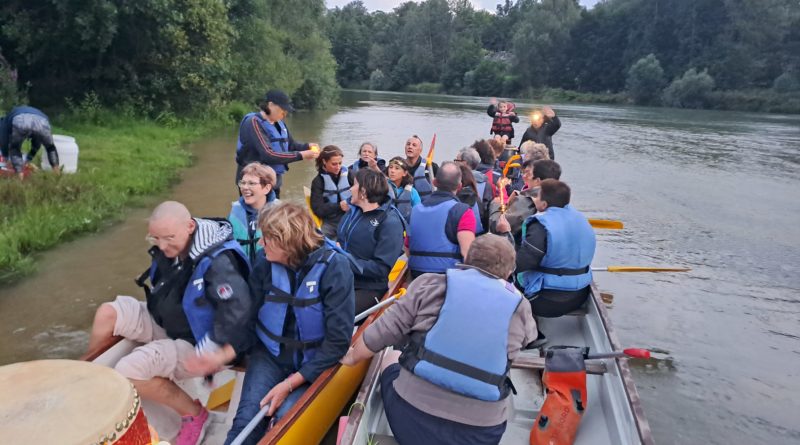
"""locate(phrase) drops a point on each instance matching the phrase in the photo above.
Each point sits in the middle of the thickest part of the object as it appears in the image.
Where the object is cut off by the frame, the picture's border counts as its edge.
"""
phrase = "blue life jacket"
(429, 247)
(243, 228)
(401, 202)
(199, 311)
(333, 193)
(570, 248)
(466, 350)
(306, 305)
(424, 188)
(278, 142)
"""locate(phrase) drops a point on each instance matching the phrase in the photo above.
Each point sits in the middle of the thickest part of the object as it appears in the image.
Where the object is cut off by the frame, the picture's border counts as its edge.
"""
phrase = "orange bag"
(565, 402)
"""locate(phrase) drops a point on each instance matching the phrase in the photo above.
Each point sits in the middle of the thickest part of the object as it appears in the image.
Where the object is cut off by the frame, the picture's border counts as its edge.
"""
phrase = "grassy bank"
(122, 159)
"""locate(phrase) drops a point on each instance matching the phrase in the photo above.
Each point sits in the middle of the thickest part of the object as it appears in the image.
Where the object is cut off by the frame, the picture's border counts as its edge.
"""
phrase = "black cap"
(280, 99)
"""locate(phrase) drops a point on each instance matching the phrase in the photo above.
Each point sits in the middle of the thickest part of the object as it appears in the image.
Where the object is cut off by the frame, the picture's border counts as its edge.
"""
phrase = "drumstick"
(251, 425)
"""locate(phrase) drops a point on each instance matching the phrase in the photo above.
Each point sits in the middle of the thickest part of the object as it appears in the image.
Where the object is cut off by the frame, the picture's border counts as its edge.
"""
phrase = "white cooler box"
(67, 150)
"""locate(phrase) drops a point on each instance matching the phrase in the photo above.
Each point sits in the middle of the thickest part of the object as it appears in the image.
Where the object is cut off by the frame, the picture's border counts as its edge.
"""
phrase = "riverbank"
(122, 159)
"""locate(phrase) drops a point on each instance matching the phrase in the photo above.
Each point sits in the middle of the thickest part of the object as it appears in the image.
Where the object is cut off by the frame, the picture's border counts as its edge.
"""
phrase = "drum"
(69, 402)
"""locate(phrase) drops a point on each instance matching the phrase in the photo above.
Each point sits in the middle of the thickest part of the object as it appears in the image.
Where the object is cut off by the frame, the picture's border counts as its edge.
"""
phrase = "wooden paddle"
(606, 224)
(429, 161)
(639, 269)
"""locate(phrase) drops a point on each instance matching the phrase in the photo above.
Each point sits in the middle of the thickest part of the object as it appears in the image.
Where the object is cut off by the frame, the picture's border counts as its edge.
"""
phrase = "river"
(715, 191)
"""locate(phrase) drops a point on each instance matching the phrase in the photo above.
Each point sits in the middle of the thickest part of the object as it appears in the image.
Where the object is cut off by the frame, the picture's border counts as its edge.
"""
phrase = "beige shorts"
(160, 356)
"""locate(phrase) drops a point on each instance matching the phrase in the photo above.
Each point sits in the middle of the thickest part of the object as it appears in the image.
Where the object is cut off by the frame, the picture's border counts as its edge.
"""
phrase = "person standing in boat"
(503, 119)
(264, 138)
(19, 124)
(442, 228)
(401, 189)
(544, 124)
(521, 204)
(372, 232)
(418, 166)
(485, 191)
(367, 158)
(255, 192)
(555, 256)
(305, 322)
(461, 331)
(330, 190)
(196, 315)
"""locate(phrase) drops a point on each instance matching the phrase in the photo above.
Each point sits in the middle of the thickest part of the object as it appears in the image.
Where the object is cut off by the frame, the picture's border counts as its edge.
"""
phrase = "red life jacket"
(502, 125)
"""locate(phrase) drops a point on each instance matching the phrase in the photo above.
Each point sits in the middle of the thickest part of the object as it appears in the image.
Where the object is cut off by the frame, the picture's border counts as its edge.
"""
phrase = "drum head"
(63, 402)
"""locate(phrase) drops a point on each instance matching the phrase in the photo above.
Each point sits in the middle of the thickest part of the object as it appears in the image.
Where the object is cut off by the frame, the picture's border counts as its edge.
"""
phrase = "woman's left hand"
(275, 397)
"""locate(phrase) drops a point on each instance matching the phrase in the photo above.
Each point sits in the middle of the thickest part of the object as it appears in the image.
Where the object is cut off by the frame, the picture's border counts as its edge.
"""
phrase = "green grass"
(122, 159)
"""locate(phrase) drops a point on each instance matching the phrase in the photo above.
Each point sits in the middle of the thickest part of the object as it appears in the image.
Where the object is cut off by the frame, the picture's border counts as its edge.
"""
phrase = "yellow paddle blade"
(640, 269)
(398, 267)
(307, 193)
(606, 224)
(220, 395)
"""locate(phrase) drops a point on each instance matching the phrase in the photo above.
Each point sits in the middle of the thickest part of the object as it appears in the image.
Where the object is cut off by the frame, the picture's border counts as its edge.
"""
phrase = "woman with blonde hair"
(256, 190)
(306, 320)
(532, 151)
(330, 190)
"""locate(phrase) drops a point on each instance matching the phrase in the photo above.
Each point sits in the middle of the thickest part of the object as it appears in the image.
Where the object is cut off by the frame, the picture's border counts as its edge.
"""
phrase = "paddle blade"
(637, 353)
(639, 269)
(429, 159)
(606, 224)
(317, 220)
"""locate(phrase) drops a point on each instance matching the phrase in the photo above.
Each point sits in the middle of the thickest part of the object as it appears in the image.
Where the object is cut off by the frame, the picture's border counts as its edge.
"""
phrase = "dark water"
(715, 191)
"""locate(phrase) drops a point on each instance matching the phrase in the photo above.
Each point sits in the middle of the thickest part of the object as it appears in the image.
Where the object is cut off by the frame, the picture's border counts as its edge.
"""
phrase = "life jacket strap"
(460, 368)
(563, 271)
(247, 242)
(436, 254)
(279, 296)
(290, 343)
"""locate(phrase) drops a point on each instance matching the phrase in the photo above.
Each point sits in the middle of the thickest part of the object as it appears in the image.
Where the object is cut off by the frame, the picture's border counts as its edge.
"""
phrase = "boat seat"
(528, 361)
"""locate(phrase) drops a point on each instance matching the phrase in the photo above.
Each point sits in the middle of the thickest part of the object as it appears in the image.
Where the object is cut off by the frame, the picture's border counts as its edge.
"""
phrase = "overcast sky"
(388, 5)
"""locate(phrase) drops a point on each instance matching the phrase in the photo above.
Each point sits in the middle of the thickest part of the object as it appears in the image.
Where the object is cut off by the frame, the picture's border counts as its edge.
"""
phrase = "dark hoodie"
(234, 304)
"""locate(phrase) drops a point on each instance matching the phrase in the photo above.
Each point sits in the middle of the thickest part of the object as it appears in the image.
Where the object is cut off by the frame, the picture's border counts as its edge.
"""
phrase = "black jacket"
(338, 302)
(319, 204)
(226, 272)
(544, 134)
(375, 240)
(256, 148)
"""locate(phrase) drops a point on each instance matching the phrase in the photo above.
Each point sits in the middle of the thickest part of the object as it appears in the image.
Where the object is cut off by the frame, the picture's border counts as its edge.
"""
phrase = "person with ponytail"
(330, 190)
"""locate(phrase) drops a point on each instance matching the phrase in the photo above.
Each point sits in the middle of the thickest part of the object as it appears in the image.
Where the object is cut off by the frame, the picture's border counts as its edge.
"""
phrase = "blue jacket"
(338, 310)
(466, 350)
(375, 240)
(566, 265)
(433, 233)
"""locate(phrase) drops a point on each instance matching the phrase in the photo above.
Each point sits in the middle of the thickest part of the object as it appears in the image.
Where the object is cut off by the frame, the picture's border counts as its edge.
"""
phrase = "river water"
(715, 191)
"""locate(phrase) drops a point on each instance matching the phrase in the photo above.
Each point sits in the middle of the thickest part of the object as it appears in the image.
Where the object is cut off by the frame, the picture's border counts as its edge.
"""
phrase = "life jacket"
(466, 350)
(570, 249)
(306, 305)
(245, 232)
(421, 183)
(402, 201)
(430, 248)
(199, 310)
(335, 192)
(502, 125)
(565, 401)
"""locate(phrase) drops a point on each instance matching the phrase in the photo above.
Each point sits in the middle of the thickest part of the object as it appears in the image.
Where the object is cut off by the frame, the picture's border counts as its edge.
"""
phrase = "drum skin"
(69, 402)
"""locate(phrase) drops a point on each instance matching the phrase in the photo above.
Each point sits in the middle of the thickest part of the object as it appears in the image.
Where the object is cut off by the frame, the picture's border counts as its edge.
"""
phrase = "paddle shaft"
(639, 269)
(251, 425)
(375, 308)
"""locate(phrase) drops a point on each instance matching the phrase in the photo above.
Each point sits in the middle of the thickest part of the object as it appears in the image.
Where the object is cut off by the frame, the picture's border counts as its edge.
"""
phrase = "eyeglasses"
(153, 240)
(249, 184)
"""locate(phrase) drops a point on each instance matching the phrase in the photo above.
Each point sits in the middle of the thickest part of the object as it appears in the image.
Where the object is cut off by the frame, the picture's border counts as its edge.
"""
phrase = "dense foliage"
(157, 55)
(640, 47)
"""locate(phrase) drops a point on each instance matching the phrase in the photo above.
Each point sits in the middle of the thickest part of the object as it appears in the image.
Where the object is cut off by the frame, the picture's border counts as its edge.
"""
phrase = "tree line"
(699, 53)
(156, 55)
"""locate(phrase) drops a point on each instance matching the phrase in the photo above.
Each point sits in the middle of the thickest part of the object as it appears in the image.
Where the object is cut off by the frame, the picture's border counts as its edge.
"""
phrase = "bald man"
(196, 317)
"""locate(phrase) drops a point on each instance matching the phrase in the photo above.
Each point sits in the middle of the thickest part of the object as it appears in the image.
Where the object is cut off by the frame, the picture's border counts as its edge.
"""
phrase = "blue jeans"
(263, 373)
(411, 426)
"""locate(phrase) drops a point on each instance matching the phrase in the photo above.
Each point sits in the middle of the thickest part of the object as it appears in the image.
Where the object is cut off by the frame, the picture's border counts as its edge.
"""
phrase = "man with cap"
(264, 138)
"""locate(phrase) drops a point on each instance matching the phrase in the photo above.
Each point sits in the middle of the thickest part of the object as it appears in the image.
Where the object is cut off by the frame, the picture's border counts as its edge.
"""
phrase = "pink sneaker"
(193, 428)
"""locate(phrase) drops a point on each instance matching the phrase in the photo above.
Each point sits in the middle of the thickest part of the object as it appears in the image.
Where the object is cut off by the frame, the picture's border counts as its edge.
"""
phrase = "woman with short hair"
(367, 158)
(330, 190)
(255, 190)
(372, 232)
(306, 321)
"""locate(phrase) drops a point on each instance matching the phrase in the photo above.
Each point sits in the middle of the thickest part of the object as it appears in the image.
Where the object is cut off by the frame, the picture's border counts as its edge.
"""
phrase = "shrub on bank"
(121, 161)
